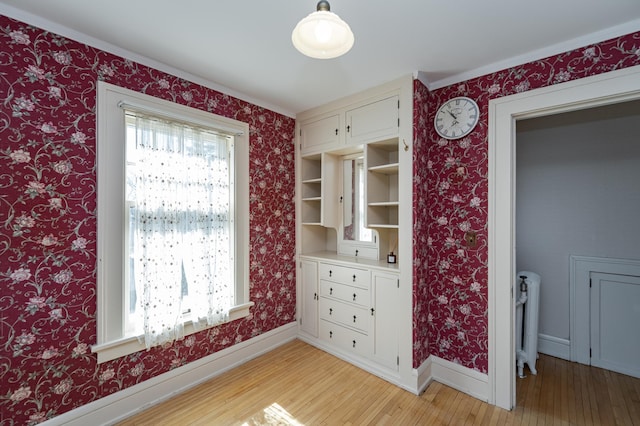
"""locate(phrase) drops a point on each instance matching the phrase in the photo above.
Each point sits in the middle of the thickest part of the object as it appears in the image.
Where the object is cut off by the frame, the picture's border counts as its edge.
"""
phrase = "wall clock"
(457, 117)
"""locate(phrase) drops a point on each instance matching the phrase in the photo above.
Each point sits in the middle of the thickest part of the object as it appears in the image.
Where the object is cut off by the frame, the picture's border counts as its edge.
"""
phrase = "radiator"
(527, 310)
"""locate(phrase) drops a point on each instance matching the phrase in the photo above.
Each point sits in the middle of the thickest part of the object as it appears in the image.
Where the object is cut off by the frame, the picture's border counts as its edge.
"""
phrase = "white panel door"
(615, 322)
(309, 317)
(385, 315)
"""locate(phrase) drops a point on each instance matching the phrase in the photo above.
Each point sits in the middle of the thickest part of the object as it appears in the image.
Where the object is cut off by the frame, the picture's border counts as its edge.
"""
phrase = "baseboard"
(460, 378)
(424, 375)
(554, 346)
(123, 404)
(432, 369)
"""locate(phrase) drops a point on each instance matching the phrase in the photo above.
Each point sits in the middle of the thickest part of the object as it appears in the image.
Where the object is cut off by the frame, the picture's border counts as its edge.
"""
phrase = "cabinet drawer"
(344, 338)
(345, 275)
(347, 293)
(342, 313)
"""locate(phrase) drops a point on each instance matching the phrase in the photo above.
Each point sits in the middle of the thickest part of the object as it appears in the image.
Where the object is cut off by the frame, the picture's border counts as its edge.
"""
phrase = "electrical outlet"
(471, 238)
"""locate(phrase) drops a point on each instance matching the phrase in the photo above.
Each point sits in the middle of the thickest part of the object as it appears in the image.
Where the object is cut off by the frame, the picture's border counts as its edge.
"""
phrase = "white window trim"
(111, 186)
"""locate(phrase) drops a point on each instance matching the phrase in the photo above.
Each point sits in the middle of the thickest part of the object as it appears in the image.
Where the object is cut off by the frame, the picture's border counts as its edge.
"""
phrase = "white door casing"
(608, 88)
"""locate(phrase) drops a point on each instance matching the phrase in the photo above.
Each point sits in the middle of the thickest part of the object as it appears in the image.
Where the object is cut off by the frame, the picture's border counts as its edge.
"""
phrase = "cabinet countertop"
(333, 257)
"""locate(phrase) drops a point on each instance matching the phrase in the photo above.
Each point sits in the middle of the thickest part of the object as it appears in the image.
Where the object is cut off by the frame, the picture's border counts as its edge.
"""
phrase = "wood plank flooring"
(298, 384)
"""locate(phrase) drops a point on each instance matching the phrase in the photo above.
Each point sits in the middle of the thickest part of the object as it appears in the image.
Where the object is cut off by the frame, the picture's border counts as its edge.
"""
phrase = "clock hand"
(453, 115)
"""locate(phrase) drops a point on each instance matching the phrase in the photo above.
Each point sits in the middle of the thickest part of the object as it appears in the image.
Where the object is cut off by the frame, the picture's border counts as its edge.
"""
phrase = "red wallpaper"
(421, 127)
(456, 175)
(48, 223)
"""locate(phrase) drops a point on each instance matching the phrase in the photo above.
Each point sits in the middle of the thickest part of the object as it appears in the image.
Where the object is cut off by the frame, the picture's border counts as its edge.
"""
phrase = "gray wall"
(577, 192)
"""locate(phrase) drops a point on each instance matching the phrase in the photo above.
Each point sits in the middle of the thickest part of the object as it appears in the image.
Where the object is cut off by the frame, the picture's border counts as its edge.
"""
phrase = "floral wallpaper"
(48, 218)
(456, 175)
(48, 223)
(421, 127)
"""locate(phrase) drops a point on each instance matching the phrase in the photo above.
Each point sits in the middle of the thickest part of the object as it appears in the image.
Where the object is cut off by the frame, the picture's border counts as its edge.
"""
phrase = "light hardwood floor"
(298, 384)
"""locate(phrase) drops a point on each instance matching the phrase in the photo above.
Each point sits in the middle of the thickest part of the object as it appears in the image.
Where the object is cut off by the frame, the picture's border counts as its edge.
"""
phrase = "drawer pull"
(354, 318)
(354, 297)
(372, 311)
(315, 296)
(330, 272)
(354, 278)
(331, 335)
(331, 291)
(330, 311)
(354, 343)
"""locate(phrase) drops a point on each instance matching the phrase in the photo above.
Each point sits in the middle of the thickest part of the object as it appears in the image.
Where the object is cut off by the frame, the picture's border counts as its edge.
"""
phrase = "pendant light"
(322, 34)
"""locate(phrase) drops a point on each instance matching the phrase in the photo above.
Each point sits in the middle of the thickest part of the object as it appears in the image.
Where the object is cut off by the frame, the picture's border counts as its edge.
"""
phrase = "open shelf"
(386, 169)
(382, 184)
(382, 215)
(317, 188)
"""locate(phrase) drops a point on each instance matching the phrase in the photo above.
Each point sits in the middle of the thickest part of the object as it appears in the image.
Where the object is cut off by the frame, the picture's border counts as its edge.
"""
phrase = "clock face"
(457, 117)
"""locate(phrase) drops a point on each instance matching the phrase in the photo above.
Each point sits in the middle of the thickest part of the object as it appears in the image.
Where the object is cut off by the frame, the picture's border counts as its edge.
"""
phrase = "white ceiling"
(244, 47)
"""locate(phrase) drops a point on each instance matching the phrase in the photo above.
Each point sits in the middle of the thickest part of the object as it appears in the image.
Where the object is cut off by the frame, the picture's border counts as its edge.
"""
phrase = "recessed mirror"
(353, 204)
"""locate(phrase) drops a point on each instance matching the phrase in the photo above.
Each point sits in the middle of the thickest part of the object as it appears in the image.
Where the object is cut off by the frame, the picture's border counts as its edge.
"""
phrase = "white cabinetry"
(369, 120)
(320, 132)
(357, 310)
(309, 296)
(318, 190)
(373, 121)
(385, 288)
(344, 301)
(382, 184)
(358, 307)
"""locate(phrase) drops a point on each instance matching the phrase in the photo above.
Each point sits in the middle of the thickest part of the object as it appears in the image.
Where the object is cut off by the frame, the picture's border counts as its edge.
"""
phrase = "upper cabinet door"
(373, 122)
(319, 134)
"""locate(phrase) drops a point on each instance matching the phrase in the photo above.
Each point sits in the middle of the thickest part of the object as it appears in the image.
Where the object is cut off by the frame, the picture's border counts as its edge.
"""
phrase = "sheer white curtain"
(180, 226)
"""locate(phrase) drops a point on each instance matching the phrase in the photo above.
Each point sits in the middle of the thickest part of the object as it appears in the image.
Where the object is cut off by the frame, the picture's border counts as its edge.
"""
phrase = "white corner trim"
(460, 378)
(125, 403)
(554, 346)
(422, 77)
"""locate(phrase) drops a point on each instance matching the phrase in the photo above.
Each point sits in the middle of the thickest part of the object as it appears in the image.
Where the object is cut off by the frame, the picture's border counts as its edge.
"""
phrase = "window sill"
(118, 348)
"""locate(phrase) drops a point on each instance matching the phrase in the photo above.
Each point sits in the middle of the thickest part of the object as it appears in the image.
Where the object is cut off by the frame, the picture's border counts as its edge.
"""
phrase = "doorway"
(609, 88)
(577, 205)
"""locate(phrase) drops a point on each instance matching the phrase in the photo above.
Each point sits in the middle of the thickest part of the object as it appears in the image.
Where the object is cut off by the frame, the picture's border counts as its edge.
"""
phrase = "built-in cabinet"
(351, 302)
(356, 308)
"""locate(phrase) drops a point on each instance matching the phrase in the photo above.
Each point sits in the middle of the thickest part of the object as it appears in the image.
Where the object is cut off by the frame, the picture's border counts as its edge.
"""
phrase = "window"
(172, 221)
